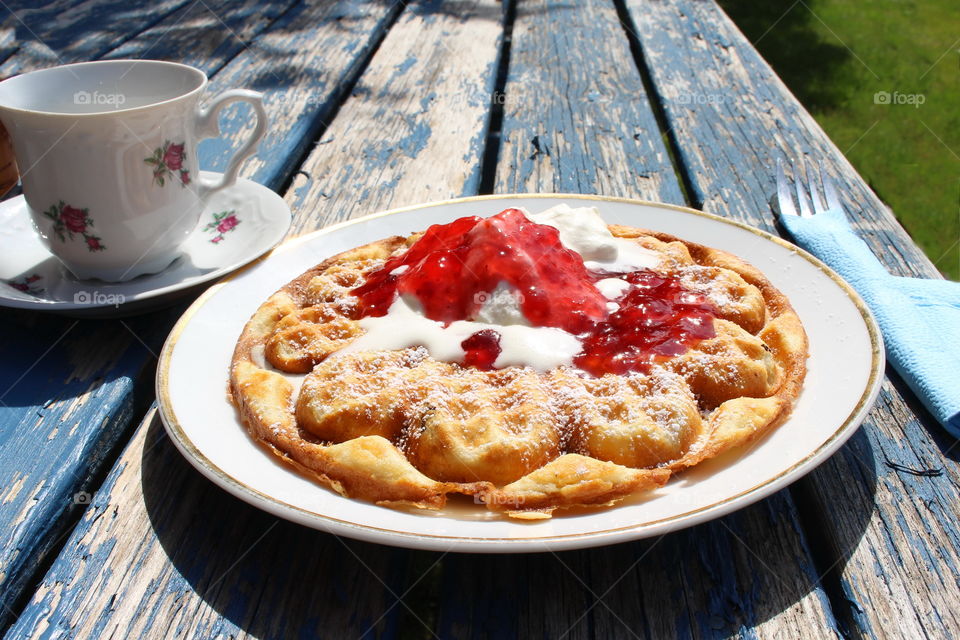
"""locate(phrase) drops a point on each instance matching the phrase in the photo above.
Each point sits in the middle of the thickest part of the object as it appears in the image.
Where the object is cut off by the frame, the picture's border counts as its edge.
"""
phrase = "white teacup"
(108, 159)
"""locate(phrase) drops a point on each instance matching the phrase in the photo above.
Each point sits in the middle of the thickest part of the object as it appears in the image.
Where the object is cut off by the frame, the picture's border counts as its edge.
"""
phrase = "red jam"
(481, 349)
(657, 317)
(452, 269)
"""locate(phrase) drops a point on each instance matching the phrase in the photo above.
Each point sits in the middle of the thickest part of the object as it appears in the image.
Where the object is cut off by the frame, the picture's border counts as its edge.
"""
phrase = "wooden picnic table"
(374, 104)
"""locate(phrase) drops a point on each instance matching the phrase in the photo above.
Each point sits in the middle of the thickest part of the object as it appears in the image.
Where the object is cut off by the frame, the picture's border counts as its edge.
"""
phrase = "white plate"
(31, 278)
(845, 371)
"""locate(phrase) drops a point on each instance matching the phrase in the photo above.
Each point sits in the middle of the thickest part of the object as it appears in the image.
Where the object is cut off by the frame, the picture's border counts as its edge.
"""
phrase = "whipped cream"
(613, 288)
(404, 326)
(584, 231)
(502, 307)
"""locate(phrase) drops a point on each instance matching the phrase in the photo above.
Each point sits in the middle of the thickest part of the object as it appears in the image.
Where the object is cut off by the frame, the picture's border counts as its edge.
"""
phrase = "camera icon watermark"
(82, 497)
(99, 99)
(482, 298)
(886, 97)
(98, 298)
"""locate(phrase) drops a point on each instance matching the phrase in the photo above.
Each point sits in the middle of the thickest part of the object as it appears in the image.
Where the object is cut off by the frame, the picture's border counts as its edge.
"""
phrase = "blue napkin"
(920, 319)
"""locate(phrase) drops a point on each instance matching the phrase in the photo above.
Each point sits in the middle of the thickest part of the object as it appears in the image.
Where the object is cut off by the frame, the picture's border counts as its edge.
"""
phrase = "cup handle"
(208, 126)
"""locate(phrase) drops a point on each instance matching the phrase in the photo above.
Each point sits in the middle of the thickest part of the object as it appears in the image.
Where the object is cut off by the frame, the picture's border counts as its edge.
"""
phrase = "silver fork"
(826, 200)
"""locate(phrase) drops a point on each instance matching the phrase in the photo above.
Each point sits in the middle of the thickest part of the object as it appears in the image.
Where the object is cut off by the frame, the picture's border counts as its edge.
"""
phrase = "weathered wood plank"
(890, 535)
(576, 116)
(203, 34)
(65, 464)
(415, 124)
(206, 34)
(890, 497)
(66, 31)
(67, 396)
(304, 72)
(162, 552)
(702, 582)
(69, 429)
(8, 38)
(748, 574)
(204, 576)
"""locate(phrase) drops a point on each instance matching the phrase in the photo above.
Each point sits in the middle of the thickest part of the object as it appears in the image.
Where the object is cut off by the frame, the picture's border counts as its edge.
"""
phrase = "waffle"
(400, 428)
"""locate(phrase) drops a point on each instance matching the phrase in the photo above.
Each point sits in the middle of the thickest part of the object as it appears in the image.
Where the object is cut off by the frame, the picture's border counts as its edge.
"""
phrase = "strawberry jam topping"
(657, 317)
(481, 349)
(453, 268)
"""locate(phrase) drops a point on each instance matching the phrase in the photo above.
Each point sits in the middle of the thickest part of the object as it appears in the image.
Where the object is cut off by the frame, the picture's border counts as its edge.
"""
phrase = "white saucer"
(31, 278)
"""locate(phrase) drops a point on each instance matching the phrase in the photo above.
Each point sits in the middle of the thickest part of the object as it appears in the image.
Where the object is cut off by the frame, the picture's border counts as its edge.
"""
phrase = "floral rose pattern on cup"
(26, 284)
(68, 221)
(223, 222)
(167, 164)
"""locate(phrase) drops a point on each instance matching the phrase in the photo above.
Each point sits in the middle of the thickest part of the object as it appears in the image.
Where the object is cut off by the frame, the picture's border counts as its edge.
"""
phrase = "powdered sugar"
(705, 281)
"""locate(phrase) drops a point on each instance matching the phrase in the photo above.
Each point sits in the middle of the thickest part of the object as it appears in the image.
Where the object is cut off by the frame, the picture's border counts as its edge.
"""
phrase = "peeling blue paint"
(405, 66)
(414, 142)
(426, 100)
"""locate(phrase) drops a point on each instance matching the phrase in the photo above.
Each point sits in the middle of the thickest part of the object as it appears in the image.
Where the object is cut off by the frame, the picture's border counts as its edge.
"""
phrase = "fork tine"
(830, 190)
(817, 195)
(784, 198)
(799, 180)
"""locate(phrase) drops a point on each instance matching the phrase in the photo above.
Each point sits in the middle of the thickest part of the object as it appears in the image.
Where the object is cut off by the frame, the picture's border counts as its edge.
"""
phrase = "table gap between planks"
(141, 562)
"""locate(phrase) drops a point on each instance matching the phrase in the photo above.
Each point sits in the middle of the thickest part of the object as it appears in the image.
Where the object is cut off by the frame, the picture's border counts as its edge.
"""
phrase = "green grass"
(836, 55)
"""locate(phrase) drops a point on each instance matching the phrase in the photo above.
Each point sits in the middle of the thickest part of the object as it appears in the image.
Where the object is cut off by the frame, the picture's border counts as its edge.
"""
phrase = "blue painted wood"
(702, 582)
(228, 569)
(889, 535)
(393, 128)
(303, 74)
(206, 35)
(8, 43)
(111, 357)
(68, 393)
(203, 34)
(576, 116)
(749, 574)
(65, 31)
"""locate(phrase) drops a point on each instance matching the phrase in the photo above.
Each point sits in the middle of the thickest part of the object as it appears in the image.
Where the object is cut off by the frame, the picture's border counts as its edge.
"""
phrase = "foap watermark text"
(503, 297)
(886, 97)
(701, 98)
(97, 98)
(98, 298)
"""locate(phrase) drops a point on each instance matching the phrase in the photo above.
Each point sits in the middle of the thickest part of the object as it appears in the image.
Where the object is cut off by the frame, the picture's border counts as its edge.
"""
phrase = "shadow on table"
(265, 576)
(65, 358)
(712, 580)
(272, 578)
(788, 36)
